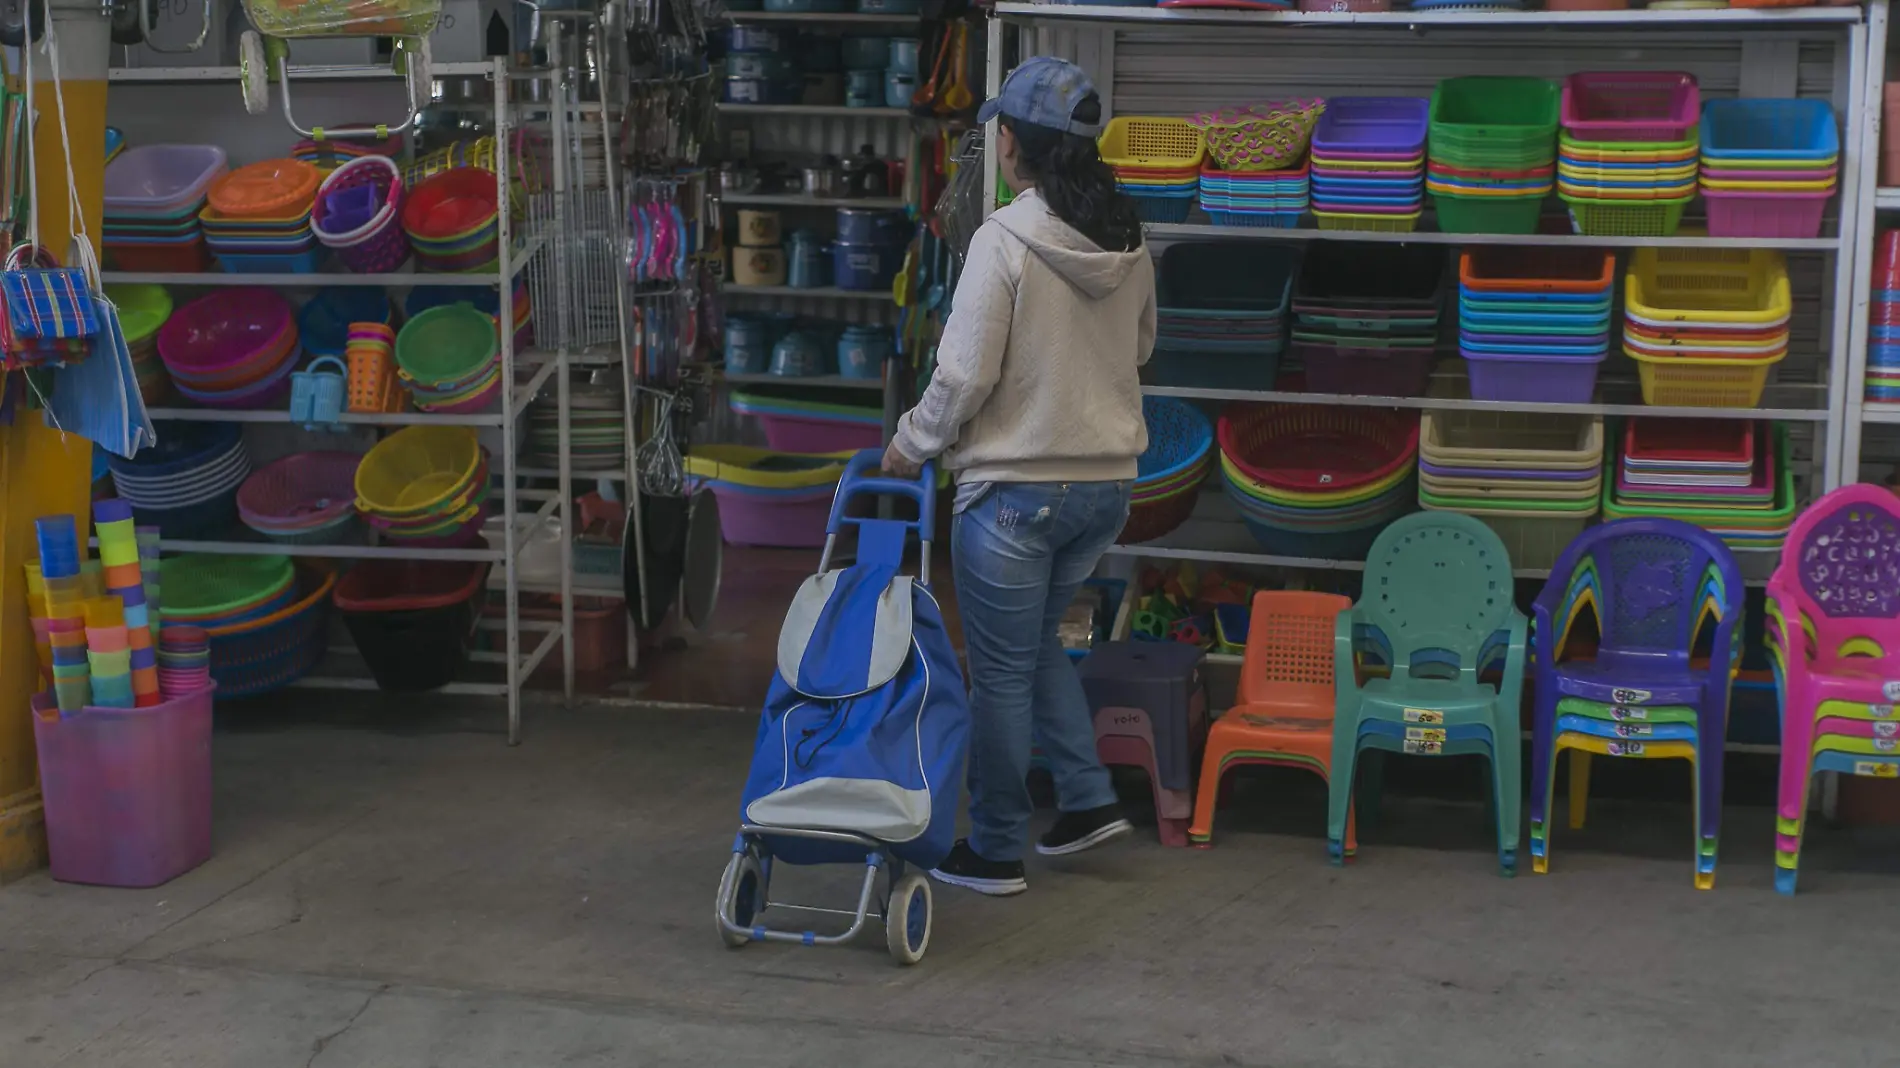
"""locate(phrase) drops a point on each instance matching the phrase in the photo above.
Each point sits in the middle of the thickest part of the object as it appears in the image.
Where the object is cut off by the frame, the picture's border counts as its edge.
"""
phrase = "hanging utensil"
(957, 96)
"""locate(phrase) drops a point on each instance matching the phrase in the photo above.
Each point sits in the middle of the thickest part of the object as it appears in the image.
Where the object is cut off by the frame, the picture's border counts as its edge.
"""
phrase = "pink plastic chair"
(1834, 624)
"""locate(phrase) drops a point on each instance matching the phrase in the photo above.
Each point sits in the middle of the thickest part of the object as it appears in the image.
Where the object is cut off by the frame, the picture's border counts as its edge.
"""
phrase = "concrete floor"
(393, 887)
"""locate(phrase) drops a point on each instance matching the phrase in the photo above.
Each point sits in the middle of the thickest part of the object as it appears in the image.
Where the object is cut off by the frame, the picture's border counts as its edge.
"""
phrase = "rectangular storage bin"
(1535, 542)
(600, 630)
(1504, 268)
(1769, 130)
(1372, 124)
(1546, 379)
(1487, 108)
(411, 619)
(1385, 277)
(1205, 279)
(1719, 285)
(773, 519)
(1733, 214)
(1487, 215)
(1637, 105)
(1456, 438)
(1644, 218)
(1366, 372)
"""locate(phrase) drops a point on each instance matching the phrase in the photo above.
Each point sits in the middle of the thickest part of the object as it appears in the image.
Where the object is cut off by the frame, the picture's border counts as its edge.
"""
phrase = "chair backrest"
(1438, 582)
(1841, 564)
(1654, 581)
(1289, 657)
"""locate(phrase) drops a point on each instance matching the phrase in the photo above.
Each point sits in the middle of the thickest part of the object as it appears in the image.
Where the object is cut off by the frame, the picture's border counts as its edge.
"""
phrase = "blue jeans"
(1021, 550)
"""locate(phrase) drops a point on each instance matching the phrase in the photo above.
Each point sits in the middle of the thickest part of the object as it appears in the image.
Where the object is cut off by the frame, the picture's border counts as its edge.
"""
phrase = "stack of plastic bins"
(1732, 478)
(1534, 323)
(153, 194)
(1156, 161)
(1883, 320)
(1258, 198)
(1768, 166)
(1315, 480)
(1366, 318)
(1222, 317)
(1626, 160)
(1369, 163)
(1706, 325)
(1493, 153)
(1533, 478)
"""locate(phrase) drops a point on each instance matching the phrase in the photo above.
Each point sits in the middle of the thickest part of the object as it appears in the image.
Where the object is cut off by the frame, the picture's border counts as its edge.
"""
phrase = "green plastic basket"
(1769, 521)
(1488, 215)
(218, 584)
(1481, 108)
(1641, 218)
(447, 343)
(1493, 155)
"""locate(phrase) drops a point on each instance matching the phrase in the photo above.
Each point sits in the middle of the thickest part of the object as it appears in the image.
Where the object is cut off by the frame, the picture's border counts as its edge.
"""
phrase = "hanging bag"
(50, 318)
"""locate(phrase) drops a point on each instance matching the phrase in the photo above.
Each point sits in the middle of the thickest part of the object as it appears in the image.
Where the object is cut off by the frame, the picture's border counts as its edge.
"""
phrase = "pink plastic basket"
(787, 522)
(1631, 105)
(223, 328)
(127, 791)
(790, 433)
(305, 489)
(1765, 214)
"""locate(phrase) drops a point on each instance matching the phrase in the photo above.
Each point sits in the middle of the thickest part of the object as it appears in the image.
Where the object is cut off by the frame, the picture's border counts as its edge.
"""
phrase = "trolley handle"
(858, 481)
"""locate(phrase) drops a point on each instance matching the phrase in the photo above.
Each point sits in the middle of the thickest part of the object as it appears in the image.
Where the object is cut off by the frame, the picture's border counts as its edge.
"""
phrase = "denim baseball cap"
(1044, 92)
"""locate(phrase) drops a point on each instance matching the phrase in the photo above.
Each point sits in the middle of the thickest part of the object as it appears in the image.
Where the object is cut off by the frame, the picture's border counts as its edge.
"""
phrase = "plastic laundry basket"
(411, 619)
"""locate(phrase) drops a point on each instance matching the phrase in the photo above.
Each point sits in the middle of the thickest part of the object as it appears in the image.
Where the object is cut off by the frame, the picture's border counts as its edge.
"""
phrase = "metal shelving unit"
(1864, 443)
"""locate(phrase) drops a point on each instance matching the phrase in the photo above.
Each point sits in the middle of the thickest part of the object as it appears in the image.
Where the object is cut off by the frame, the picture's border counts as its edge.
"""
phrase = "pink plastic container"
(1637, 105)
(127, 791)
(1765, 214)
(792, 433)
(787, 522)
(223, 328)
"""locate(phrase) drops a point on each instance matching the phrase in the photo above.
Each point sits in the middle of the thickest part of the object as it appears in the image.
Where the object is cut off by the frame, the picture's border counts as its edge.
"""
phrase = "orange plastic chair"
(1283, 711)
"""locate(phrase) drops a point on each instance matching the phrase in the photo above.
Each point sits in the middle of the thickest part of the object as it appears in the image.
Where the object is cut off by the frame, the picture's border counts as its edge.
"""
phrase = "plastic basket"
(1477, 215)
(1455, 438)
(1260, 137)
(417, 469)
(1508, 269)
(1312, 449)
(1765, 214)
(1170, 209)
(1702, 381)
(1500, 108)
(1769, 130)
(267, 654)
(1211, 278)
(1149, 520)
(1689, 442)
(1389, 224)
(1606, 218)
(446, 344)
(411, 620)
(1144, 142)
(1630, 105)
(305, 489)
(1722, 286)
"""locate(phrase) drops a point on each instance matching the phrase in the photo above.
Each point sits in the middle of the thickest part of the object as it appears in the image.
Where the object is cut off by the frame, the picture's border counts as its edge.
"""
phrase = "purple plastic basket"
(1373, 124)
(794, 521)
(1549, 379)
(1365, 372)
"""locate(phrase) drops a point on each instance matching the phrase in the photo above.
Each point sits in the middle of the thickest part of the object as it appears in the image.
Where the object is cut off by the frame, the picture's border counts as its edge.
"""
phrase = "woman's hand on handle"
(897, 465)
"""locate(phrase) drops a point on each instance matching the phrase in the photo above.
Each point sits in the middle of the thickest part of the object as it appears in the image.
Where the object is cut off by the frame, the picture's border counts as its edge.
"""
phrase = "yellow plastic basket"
(1714, 285)
(1143, 141)
(747, 465)
(1702, 382)
(1387, 224)
(417, 468)
(1818, 185)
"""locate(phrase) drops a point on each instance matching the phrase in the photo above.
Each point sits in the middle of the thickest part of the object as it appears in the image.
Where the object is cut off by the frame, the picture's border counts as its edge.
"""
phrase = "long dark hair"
(1074, 182)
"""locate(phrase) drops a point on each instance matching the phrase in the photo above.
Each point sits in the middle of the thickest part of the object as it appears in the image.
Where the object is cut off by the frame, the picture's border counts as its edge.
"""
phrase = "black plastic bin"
(412, 619)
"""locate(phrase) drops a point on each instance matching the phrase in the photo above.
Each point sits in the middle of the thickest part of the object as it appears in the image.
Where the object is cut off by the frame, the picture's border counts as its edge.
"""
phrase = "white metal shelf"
(1887, 198)
(834, 111)
(1884, 414)
(1634, 18)
(825, 381)
(313, 280)
(280, 415)
(185, 75)
(806, 200)
(821, 293)
(1192, 231)
(825, 18)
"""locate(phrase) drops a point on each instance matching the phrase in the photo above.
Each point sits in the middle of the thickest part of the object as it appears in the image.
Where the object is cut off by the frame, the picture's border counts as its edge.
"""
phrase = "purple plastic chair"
(1650, 581)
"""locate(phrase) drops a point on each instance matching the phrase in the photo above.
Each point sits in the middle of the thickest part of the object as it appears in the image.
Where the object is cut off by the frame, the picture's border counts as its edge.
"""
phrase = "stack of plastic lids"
(1768, 166)
(257, 218)
(1733, 478)
(1170, 471)
(1883, 321)
(1315, 480)
(768, 497)
(1369, 163)
(1254, 198)
(184, 660)
(142, 310)
(153, 194)
(1366, 318)
(186, 485)
(425, 485)
(1626, 161)
(1706, 325)
(1533, 478)
(1534, 323)
(306, 498)
(213, 590)
(1157, 162)
(1221, 322)
(597, 429)
(453, 220)
(1493, 154)
(231, 348)
(124, 582)
(800, 421)
(450, 359)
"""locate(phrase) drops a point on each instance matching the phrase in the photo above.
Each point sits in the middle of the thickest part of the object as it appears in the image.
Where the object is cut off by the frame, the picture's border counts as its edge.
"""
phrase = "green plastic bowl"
(447, 344)
(142, 308)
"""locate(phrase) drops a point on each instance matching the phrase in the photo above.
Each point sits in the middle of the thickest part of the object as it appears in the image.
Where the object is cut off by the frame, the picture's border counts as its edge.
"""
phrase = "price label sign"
(1426, 748)
(1875, 769)
(1423, 715)
(1628, 749)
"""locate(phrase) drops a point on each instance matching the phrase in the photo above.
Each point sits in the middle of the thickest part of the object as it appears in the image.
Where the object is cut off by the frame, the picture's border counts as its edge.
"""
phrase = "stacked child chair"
(1318, 481)
(1366, 318)
(1254, 173)
(1493, 153)
(1883, 321)
(1170, 471)
(1734, 479)
(1368, 163)
(1221, 320)
(1706, 326)
(1438, 608)
(1652, 585)
(1626, 158)
(1834, 633)
(153, 194)
(257, 218)
(1534, 323)
(1534, 479)
(1150, 709)
(1157, 162)
(1284, 704)
(1768, 166)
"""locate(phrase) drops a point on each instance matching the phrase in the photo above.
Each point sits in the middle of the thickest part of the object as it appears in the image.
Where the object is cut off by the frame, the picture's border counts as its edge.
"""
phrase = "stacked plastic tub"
(770, 498)
(1156, 161)
(1768, 166)
(1366, 318)
(1706, 325)
(425, 485)
(1533, 478)
(796, 420)
(449, 358)
(1883, 320)
(257, 218)
(1170, 471)
(1318, 481)
(231, 348)
(1268, 198)
(1534, 323)
(1733, 478)
(306, 498)
(1221, 323)
(1255, 173)
(1368, 161)
(1493, 153)
(411, 619)
(1626, 160)
(186, 485)
(153, 194)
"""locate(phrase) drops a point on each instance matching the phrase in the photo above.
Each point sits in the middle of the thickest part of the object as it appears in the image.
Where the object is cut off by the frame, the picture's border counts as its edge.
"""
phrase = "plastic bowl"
(142, 308)
(452, 204)
(446, 345)
(223, 328)
(417, 469)
(303, 490)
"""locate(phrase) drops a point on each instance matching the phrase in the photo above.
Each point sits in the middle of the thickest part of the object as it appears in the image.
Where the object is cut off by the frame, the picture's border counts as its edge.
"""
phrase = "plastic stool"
(1150, 710)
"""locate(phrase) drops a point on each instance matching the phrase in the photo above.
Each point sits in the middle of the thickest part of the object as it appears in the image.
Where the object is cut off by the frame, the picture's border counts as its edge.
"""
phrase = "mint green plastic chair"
(1438, 605)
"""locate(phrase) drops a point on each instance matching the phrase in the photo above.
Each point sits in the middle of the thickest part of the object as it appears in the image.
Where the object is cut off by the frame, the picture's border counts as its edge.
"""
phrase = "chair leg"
(1788, 856)
(1209, 796)
(1339, 800)
(1541, 831)
(1579, 787)
(1507, 774)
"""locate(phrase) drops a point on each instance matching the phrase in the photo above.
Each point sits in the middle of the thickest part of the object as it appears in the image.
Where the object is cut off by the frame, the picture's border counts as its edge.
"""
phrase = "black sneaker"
(1077, 831)
(998, 878)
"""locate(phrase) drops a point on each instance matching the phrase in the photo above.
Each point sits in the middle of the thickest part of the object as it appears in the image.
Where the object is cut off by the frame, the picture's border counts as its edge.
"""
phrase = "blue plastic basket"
(1179, 436)
(1277, 220)
(249, 659)
(1163, 208)
(305, 262)
(1223, 279)
(1769, 129)
(185, 446)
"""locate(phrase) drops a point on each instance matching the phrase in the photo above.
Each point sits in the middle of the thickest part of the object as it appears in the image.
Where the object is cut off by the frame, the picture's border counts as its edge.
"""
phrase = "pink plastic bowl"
(306, 489)
(223, 329)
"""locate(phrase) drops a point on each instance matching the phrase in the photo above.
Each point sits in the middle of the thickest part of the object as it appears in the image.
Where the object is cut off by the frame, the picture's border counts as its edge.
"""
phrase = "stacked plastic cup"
(64, 606)
(108, 654)
(184, 660)
(370, 355)
(125, 579)
(148, 566)
(1883, 320)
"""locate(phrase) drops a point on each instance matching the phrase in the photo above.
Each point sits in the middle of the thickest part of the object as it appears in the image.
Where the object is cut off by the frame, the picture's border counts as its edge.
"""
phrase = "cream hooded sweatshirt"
(1036, 376)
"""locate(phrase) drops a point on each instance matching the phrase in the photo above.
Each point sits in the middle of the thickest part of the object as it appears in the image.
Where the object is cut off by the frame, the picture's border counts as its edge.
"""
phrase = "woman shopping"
(1036, 406)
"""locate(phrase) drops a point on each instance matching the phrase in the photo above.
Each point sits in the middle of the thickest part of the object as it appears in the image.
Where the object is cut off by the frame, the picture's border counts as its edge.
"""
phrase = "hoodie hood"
(1082, 262)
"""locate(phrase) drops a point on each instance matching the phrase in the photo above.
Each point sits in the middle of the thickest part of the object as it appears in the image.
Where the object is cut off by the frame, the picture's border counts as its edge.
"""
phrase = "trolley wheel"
(907, 918)
(741, 893)
(254, 72)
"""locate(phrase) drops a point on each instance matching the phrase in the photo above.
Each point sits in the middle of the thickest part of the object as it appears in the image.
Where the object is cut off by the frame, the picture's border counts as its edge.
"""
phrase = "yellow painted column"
(43, 472)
